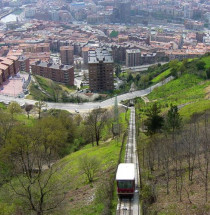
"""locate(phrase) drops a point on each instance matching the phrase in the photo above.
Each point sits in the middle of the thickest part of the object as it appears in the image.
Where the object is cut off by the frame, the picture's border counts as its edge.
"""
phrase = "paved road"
(85, 107)
(140, 68)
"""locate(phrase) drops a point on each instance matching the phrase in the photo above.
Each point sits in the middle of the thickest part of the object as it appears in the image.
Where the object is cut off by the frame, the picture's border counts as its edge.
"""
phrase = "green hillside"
(68, 177)
(188, 90)
(173, 140)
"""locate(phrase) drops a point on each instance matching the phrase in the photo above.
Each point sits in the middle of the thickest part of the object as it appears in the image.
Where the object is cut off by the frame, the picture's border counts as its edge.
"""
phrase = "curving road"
(85, 107)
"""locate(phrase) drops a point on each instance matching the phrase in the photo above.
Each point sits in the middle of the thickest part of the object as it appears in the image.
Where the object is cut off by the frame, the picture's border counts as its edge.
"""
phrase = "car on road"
(76, 111)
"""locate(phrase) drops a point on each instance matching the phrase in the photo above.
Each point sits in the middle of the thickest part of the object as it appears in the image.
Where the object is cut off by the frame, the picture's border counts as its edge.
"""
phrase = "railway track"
(124, 207)
(131, 206)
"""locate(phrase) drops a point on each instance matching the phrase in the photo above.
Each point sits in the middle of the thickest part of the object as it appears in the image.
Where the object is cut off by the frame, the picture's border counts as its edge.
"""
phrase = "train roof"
(125, 171)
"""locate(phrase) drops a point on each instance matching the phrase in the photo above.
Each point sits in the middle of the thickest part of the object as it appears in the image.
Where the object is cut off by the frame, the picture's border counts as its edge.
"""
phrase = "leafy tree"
(173, 120)
(13, 108)
(96, 121)
(144, 81)
(69, 124)
(117, 70)
(114, 34)
(129, 78)
(53, 135)
(174, 72)
(56, 91)
(6, 125)
(208, 73)
(200, 65)
(138, 77)
(39, 106)
(154, 122)
(174, 64)
(89, 166)
(31, 151)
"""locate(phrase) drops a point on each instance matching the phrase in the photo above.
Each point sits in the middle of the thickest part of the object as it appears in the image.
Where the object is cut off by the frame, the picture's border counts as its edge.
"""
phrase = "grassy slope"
(46, 84)
(21, 117)
(187, 89)
(79, 192)
(190, 91)
(207, 61)
(108, 154)
(161, 76)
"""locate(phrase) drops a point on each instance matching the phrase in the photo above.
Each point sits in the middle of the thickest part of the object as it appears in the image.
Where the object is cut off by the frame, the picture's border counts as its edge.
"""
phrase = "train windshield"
(125, 184)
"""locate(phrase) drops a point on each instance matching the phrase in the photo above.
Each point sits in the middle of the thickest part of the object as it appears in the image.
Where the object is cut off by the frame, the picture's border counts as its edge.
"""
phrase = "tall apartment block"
(67, 55)
(133, 57)
(85, 51)
(100, 64)
(56, 72)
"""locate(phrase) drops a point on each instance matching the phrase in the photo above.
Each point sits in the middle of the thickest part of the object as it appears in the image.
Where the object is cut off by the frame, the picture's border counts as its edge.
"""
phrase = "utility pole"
(116, 127)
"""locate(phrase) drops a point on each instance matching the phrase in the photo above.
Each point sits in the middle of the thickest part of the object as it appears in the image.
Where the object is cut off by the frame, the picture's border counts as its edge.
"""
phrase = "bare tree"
(205, 149)
(89, 166)
(96, 121)
(190, 139)
(166, 163)
(39, 106)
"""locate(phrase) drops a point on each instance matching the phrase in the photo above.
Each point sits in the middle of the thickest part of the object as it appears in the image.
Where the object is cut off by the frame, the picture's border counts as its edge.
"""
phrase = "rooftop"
(132, 51)
(52, 65)
(125, 171)
(66, 48)
(99, 55)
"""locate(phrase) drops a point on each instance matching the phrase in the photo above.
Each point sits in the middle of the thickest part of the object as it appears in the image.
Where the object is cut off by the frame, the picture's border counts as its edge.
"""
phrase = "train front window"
(125, 184)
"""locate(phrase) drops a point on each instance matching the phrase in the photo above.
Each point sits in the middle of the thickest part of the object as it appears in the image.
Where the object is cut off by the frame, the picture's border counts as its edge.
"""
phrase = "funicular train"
(125, 178)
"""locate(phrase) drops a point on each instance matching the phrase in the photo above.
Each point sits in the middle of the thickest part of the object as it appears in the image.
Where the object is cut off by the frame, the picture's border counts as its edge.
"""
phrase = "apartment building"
(67, 55)
(24, 64)
(8, 67)
(56, 72)
(100, 64)
(133, 57)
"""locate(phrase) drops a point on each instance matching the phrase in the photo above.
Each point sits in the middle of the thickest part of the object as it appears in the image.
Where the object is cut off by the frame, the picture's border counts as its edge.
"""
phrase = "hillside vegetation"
(44, 161)
(173, 141)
